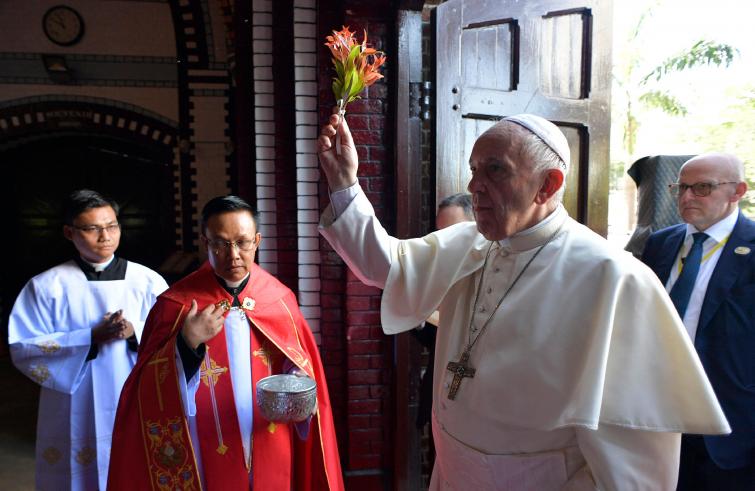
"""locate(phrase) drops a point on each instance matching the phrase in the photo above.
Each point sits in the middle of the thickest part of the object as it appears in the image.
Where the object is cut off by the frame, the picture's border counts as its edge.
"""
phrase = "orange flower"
(368, 67)
(340, 44)
(356, 65)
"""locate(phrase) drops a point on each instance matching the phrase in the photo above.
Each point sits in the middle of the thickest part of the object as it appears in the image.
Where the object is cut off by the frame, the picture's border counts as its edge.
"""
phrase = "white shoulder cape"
(588, 336)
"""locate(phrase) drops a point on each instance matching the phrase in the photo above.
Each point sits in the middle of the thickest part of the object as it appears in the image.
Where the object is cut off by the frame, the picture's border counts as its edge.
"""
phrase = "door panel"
(487, 60)
(497, 58)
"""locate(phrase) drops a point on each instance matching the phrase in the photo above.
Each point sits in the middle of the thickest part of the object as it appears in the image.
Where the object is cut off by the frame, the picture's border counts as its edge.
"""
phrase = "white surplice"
(584, 377)
(50, 337)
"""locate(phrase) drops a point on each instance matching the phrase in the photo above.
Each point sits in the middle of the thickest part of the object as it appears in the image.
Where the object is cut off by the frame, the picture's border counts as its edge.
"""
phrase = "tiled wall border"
(307, 171)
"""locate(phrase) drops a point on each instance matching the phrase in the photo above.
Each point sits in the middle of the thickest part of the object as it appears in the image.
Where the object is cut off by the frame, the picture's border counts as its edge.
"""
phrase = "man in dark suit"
(708, 267)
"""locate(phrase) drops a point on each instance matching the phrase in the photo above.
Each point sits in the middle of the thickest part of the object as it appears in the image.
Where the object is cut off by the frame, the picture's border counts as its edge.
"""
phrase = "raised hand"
(200, 327)
(340, 169)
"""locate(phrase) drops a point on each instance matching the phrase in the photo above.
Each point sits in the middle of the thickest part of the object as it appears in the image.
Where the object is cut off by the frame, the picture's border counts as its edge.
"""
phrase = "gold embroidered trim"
(264, 356)
(52, 455)
(39, 373)
(160, 361)
(48, 347)
(297, 355)
(168, 456)
(224, 304)
(214, 371)
(86, 456)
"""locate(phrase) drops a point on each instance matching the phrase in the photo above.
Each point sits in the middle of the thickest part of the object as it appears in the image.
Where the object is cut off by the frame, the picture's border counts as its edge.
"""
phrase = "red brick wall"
(358, 356)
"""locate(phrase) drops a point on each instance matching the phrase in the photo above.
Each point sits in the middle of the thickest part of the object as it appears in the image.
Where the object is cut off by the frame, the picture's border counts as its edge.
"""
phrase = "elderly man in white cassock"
(560, 363)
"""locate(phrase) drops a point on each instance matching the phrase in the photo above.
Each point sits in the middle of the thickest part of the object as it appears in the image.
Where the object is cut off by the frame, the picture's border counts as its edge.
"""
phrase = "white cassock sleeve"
(626, 458)
(420, 271)
(362, 242)
(54, 358)
(188, 389)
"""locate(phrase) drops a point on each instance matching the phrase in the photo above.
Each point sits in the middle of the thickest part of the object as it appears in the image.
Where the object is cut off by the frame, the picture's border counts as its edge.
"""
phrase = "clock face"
(63, 25)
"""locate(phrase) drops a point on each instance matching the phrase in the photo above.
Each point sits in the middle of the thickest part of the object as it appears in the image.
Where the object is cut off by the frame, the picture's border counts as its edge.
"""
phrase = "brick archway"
(32, 118)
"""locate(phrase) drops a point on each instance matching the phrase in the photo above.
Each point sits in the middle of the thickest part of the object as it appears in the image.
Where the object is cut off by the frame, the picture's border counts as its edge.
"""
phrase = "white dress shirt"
(718, 234)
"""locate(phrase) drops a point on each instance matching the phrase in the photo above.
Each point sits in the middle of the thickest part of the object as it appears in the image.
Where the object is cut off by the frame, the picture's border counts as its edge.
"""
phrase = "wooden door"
(496, 58)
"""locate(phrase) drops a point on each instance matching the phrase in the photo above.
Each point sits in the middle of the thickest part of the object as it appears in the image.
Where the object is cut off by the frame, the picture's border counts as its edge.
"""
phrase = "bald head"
(725, 175)
(725, 165)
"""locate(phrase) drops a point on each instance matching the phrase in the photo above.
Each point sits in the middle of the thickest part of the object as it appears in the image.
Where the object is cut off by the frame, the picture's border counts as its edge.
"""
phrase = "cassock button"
(497, 270)
(490, 290)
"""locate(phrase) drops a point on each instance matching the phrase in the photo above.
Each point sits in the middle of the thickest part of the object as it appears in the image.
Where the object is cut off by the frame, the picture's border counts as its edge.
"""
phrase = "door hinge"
(420, 99)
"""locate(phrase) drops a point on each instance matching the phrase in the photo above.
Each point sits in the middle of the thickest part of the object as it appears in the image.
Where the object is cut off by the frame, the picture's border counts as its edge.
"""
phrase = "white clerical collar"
(719, 230)
(537, 234)
(235, 284)
(100, 266)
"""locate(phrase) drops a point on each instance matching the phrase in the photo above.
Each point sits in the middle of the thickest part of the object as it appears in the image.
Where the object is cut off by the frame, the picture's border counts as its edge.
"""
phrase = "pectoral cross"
(460, 369)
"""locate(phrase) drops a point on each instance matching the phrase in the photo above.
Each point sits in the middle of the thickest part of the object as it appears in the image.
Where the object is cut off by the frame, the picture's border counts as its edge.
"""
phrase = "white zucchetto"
(546, 131)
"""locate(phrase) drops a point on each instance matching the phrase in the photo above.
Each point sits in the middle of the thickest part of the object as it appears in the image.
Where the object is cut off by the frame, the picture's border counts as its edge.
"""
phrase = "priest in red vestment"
(188, 417)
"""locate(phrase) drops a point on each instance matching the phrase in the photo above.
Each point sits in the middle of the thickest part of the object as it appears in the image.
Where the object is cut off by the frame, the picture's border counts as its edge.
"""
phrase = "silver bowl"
(286, 398)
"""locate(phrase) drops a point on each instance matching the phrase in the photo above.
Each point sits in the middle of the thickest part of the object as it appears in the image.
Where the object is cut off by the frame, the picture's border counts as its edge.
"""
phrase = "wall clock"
(63, 25)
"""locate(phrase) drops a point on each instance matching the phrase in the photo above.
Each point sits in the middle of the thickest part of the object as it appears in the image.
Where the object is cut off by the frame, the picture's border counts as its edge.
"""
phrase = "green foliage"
(347, 85)
(701, 53)
(664, 101)
(734, 134)
(637, 92)
(630, 132)
(616, 174)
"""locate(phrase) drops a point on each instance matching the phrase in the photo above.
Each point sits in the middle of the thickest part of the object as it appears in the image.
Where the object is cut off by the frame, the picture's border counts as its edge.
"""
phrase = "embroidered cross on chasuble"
(217, 414)
(209, 373)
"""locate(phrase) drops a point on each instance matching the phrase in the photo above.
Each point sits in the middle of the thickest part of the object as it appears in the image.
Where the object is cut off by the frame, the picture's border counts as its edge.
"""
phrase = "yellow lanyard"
(705, 257)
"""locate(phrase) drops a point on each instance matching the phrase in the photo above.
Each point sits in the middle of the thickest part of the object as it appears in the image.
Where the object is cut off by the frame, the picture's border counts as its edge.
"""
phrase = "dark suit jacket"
(725, 338)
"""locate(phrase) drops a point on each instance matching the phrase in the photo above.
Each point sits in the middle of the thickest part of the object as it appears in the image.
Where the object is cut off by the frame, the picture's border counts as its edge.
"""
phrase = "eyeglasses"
(97, 230)
(219, 246)
(699, 189)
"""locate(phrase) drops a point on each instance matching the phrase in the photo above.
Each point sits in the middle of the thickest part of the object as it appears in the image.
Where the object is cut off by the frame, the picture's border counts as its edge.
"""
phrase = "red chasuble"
(152, 447)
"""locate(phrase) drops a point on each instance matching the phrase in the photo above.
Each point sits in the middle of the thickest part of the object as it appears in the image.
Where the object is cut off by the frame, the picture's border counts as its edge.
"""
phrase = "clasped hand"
(113, 326)
(200, 327)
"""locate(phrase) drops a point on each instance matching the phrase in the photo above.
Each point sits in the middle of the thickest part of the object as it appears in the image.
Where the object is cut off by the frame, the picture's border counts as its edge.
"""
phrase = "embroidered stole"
(218, 425)
(167, 441)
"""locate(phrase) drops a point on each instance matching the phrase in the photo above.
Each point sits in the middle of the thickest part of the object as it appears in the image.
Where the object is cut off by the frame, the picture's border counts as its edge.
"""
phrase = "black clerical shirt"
(191, 359)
